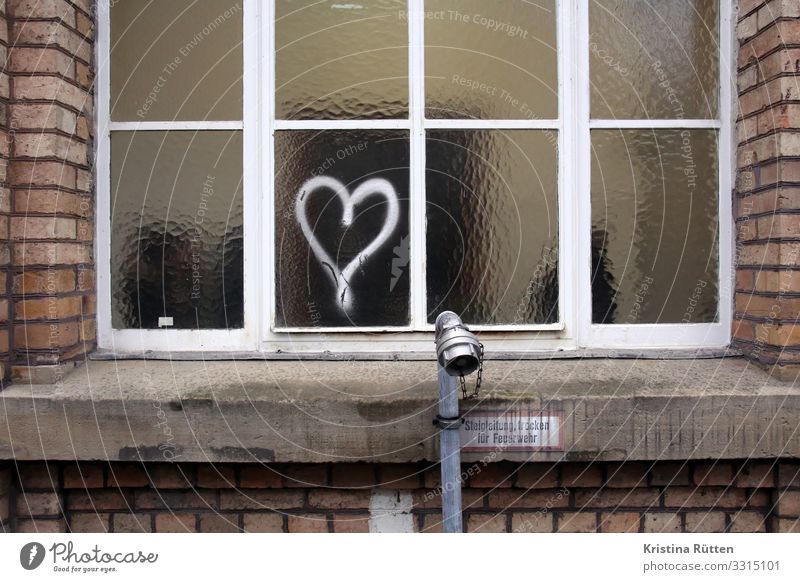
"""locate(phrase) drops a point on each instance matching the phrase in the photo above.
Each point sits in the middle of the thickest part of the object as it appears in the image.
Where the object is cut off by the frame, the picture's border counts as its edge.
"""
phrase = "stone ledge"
(382, 411)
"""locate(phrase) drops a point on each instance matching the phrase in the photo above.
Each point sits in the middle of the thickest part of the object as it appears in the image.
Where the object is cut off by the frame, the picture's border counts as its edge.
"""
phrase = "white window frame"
(574, 332)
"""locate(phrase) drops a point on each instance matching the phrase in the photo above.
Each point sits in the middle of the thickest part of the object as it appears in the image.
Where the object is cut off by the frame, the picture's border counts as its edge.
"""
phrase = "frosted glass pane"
(342, 229)
(492, 206)
(654, 226)
(341, 60)
(654, 59)
(177, 229)
(176, 60)
(491, 60)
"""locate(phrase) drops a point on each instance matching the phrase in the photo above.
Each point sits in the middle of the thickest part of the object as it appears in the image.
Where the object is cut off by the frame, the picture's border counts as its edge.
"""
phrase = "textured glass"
(654, 226)
(491, 60)
(341, 60)
(176, 229)
(342, 229)
(176, 60)
(654, 59)
(492, 238)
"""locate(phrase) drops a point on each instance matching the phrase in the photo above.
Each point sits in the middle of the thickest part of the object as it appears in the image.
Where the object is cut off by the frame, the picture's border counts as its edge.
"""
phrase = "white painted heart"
(342, 278)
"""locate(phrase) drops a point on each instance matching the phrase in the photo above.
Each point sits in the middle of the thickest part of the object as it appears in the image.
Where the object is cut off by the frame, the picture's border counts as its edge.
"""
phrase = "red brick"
(626, 475)
(132, 523)
(215, 523)
(581, 475)
(308, 523)
(350, 523)
(258, 499)
(42, 227)
(400, 476)
(620, 522)
(41, 526)
(756, 474)
(670, 474)
(718, 473)
(788, 503)
(353, 475)
(711, 497)
(175, 523)
(613, 498)
(263, 522)
(173, 500)
(748, 522)
(577, 522)
(259, 477)
(129, 475)
(84, 476)
(493, 475)
(216, 477)
(486, 523)
(531, 499)
(781, 525)
(38, 504)
(38, 476)
(537, 476)
(309, 476)
(789, 475)
(662, 523)
(539, 522)
(338, 499)
(89, 523)
(170, 476)
(705, 522)
(98, 500)
(50, 281)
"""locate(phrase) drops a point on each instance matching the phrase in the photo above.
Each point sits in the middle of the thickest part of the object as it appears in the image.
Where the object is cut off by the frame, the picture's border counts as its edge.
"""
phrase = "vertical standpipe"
(459, 353)
(450, 453)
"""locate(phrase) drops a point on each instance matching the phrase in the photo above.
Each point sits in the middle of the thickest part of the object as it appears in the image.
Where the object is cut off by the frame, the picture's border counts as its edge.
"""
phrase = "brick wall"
(5, 497)
(5, 197)
(47, 222)
(501, 497)
(768, 185)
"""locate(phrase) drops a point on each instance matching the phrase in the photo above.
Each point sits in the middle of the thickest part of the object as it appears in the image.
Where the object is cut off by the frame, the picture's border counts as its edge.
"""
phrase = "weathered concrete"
(382, 411)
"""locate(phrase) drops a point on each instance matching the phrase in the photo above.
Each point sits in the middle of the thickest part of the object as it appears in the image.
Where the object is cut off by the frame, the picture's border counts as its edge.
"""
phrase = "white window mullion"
(568, 178)
(267, 100)
(417, 203)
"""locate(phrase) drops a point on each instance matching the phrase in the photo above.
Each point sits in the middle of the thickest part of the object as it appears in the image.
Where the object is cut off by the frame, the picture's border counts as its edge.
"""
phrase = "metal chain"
(478, 380)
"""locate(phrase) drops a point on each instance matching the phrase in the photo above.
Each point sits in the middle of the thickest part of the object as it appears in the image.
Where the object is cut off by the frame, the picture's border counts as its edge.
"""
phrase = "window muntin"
(573, 133)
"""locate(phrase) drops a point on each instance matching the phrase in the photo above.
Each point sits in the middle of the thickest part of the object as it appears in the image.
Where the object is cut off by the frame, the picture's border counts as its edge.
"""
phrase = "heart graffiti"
(342, 278)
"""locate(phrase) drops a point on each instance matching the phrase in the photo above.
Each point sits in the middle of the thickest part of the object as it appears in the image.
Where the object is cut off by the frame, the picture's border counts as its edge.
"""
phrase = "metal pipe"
(450, 452)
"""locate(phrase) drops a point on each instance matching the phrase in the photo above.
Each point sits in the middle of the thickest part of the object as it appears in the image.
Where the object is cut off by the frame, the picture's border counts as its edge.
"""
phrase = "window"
(305, 176)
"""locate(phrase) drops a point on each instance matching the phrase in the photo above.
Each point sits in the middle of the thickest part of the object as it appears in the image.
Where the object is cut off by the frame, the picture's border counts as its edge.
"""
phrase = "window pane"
(176, 229)
(341, 60)
(342, 228)
(654, 59)
(492, 199)
(491, 60)
(176, 60)
(654, 226)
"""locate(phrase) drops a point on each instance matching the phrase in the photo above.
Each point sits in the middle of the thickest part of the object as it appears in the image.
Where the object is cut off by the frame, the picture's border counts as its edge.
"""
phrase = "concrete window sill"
(280, 411)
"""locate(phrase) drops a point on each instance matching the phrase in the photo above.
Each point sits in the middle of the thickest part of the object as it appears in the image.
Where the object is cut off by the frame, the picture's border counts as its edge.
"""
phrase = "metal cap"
(457, 348)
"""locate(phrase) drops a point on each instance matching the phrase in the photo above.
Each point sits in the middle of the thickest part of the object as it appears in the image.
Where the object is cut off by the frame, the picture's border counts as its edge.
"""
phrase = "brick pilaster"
(50, 225)
(767, 201)
(5, 197)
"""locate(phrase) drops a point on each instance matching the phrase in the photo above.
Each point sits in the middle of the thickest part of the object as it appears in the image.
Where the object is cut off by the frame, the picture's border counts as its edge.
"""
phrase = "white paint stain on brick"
(390, 512)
